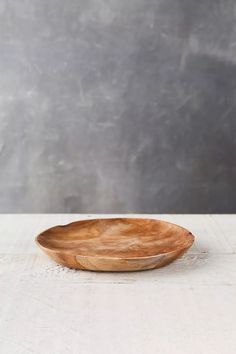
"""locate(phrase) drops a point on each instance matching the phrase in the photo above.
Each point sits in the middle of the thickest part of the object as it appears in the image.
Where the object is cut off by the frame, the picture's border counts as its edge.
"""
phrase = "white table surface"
(186, 307)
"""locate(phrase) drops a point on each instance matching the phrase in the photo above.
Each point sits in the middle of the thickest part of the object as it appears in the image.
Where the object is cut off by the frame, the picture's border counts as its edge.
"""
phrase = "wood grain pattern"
(115, 244)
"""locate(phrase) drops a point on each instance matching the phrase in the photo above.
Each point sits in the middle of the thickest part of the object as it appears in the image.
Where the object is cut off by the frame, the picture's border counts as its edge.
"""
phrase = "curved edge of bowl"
(114, 264)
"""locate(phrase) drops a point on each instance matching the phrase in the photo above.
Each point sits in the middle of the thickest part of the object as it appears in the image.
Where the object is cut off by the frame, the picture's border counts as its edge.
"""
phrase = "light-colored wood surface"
(186, 307)
(115, 244)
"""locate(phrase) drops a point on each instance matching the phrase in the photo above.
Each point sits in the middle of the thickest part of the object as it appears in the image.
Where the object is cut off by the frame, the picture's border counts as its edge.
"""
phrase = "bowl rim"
(69, 252)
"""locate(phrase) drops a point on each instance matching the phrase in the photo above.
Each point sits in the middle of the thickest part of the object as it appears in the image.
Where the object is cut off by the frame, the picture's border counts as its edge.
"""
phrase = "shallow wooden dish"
(123, 244)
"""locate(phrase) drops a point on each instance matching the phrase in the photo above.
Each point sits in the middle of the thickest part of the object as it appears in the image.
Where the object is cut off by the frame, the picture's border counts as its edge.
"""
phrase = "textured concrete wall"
(117, 106)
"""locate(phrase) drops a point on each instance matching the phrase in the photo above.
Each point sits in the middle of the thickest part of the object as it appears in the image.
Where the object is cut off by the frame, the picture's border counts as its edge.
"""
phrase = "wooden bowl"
(122, 244)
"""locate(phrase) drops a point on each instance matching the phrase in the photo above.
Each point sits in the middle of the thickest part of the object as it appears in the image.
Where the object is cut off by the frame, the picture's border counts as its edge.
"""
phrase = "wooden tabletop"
(187, 307)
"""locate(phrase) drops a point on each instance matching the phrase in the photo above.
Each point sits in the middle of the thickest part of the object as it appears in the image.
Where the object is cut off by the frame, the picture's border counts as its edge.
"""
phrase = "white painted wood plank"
(54, 317)
(186, 307)
(226, 227)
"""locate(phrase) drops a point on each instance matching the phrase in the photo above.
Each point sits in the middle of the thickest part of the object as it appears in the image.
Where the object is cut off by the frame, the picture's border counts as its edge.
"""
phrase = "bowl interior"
(118, 238)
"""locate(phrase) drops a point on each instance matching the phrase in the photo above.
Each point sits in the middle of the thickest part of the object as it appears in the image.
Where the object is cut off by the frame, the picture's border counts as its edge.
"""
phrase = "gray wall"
(117, 106)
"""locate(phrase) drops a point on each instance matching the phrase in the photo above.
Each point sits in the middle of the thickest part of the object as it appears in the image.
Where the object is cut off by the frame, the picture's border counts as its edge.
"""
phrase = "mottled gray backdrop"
(118, 106)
